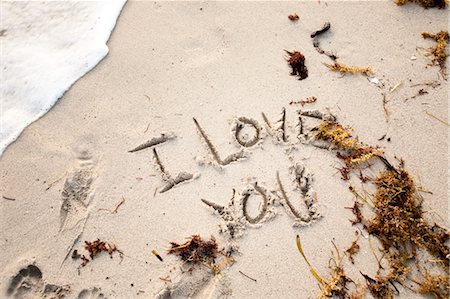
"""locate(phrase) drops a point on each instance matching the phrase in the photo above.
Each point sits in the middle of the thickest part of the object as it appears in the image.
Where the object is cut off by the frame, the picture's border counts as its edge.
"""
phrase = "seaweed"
(336, 284)
(293, 17)
(438, 51)
(95, 248)
(345, 69)
(353, 249)
(425, 3)
(438, 285)
(399, 218)
(356, 153)
(303, 102)
(297, 62)
(196, 250)
(316, 43)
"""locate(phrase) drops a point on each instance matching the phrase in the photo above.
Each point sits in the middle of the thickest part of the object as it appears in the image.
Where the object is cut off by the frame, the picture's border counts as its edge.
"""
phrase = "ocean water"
(44, 48)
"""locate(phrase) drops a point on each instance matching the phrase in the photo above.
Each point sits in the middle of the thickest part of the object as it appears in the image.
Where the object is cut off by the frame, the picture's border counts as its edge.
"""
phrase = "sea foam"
(44, 48)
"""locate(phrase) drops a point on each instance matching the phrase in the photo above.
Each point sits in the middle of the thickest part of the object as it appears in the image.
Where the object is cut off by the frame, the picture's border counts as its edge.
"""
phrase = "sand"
(170, 62)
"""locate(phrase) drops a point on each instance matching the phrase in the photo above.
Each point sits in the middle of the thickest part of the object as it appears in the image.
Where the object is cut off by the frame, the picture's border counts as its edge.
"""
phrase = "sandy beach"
(70, 178)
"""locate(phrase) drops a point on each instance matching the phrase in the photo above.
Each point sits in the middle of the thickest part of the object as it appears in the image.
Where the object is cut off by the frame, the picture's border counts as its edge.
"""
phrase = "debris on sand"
(425, 3)
(400, 226)
(95, 248)
(399, 218)
(353, 249)
(324, 29)
(336, 285)
(293, 17)
(196, 250)
(316, 43)
(297, 62)
(437, 285)
(355, 152)
(439, 50)
(303, 102)
(344, 69)
(155, 253)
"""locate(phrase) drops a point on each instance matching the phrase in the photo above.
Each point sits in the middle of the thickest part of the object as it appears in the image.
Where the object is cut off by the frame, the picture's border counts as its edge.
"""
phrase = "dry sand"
(172, 61)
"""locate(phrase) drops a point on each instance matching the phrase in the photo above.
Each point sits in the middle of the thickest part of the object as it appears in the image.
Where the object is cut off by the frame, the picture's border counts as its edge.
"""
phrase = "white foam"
(46, 47)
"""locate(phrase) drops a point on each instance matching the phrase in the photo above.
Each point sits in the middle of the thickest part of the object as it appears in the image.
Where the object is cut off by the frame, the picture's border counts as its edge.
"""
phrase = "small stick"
(386, 112)
(9, 198)
(247, 276)
(395, 87)
(324, 29)
(55, 181)
(438, 118)
(283, 124)
(155, 253)
(118, 206)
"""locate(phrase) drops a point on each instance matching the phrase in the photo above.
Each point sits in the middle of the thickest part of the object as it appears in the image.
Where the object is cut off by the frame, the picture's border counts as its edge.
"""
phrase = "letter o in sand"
(243, 122)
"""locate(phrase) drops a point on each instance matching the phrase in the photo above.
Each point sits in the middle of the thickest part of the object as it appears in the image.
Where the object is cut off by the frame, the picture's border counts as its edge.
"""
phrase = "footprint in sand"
(77, 193)
(92, 293)
(26, 284)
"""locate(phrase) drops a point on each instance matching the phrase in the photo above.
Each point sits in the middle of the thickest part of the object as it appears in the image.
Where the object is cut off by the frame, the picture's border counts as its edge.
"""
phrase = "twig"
(9, 198)
(247, 276)
(395, 87)
(386, 111)
(438, 118)
(118, 206)
(55, 181)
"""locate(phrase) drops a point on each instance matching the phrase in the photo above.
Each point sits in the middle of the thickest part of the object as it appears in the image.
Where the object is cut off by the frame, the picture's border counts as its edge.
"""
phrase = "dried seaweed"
(353, 249)
(293, 17)
(356, 153)
(345, 69)
(95, 248)
(196, 250)
(297, 62)
(399, 218)
(379, 287)
(438, 285)
(438, 51)
(316, 43)
(336, 284)
(322, 30)
(425, 3)
(303, 102)
(399, 225)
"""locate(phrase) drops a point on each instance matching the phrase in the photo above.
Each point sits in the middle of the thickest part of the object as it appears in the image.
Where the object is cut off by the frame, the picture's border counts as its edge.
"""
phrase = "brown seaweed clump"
(439, 50)
(293, 17)
(437, 285)
(356, 153)
(425, 3)
(398, 222)
(196, 250)
(345, 69)
(95, 248)
(297, 62)
(399, 225)
(336, 285)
